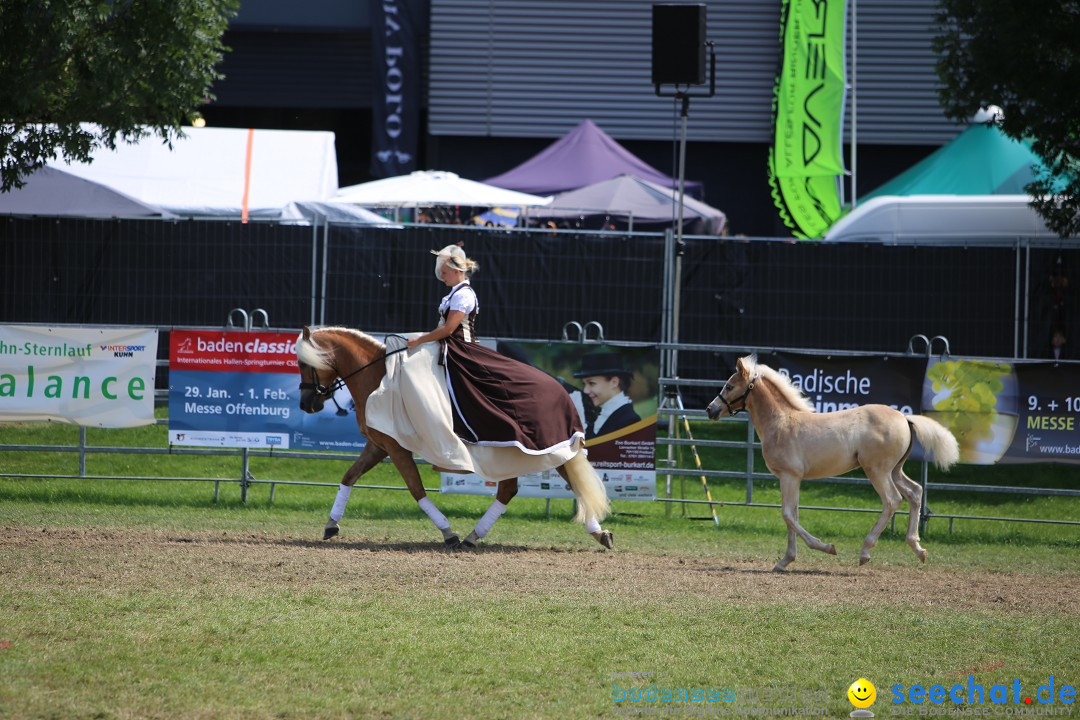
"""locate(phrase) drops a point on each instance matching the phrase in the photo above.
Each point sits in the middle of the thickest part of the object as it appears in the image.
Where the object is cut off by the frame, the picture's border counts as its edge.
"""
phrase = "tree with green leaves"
(1024, 57)
(76, 75)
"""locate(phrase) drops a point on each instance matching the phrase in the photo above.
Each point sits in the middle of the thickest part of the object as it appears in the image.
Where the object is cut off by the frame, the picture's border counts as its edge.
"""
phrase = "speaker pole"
(684, 96)
(679, 244)
(673, 398)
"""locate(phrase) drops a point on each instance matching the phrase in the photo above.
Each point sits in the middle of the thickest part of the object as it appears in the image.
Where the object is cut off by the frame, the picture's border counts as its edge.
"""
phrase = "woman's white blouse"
(463, 300)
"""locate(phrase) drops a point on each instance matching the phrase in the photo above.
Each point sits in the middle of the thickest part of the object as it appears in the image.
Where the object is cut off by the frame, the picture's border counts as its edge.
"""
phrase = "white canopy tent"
(212, 171)
(54, 192)
(940, 219)
(428, 188)
(632, 199)
(334, 212)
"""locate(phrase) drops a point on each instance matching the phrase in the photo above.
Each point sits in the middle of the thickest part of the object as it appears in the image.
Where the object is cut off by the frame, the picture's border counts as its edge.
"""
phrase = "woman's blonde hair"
(455, 257)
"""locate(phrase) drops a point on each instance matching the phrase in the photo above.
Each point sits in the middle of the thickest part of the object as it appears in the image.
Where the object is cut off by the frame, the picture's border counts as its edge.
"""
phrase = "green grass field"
(125, 599)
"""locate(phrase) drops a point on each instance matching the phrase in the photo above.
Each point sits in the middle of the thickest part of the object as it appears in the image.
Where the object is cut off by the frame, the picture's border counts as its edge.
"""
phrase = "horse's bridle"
(742, 398)
(329, 390)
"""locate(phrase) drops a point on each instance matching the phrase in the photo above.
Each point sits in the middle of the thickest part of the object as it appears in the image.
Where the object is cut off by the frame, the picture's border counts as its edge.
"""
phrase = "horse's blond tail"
(943, 447)
(592, 499)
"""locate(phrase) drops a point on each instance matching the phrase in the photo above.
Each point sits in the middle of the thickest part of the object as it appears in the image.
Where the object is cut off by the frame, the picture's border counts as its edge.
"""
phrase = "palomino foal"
(798, 443)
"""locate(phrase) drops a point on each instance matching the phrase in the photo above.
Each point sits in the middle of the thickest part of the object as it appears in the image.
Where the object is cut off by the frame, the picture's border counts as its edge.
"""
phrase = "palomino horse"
(358, 361)
(798, 443)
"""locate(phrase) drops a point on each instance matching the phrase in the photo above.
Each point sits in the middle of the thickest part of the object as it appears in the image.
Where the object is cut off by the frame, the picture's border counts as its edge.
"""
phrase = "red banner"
(226, 351)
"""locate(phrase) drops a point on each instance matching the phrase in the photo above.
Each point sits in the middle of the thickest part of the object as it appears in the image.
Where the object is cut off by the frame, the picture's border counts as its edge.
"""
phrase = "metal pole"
(924, 510)
(665, 313)
(676, 290)
(854, 103)
(325, 271)
(82, 451)
(679, 239)
(670, 464)
(314, 269)
(749, 461)
(1027, 293)
(244, 475)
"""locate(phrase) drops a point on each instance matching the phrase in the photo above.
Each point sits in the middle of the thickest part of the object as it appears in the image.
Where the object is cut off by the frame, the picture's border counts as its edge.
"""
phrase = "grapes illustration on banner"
(977, 401)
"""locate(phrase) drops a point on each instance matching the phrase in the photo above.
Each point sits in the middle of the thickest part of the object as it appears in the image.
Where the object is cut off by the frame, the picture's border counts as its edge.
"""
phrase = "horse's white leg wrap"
(342, 499)
(591, 526)
(433, 512)
(494, 511)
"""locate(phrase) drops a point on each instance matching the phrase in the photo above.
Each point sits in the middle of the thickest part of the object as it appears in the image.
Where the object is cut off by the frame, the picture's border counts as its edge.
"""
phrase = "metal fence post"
(924, 509)
(245, 475)
(82, 451)
(749, 461)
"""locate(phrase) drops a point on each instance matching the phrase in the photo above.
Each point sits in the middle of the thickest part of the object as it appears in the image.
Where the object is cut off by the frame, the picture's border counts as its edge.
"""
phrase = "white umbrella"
(425, 188)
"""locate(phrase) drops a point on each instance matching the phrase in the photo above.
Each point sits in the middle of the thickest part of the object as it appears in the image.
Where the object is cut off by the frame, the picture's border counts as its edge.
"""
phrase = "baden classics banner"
(808, 111)
(241, 389)
(101, 377)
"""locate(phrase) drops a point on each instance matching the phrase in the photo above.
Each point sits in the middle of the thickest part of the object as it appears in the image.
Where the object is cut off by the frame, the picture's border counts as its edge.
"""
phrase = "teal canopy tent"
(982, 160)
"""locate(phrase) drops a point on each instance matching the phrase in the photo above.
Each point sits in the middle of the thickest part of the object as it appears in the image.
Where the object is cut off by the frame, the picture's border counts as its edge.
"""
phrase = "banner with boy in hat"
(616, 391)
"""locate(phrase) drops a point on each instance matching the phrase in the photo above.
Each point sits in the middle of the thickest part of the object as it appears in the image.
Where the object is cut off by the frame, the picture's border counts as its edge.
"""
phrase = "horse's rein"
(328, 391)
(742, 398)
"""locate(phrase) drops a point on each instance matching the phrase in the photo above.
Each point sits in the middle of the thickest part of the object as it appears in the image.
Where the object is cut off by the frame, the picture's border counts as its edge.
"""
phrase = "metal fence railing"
(733, 294)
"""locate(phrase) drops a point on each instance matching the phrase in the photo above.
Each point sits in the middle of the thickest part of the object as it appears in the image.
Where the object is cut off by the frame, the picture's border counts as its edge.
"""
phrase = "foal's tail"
(591, 496)
(943, 447)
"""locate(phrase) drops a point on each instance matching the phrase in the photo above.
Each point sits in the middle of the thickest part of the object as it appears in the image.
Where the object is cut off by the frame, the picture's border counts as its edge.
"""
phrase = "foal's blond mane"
(310, 353)
(781, 382)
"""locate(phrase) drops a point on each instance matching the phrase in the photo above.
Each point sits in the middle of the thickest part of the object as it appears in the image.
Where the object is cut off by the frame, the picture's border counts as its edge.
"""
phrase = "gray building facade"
(504, 78)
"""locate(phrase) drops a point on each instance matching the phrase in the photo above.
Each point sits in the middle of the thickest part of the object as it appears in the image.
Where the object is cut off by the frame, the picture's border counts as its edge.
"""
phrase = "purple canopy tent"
(584, 156)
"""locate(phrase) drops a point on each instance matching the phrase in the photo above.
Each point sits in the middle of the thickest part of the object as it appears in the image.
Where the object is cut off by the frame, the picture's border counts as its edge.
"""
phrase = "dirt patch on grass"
(122, 561)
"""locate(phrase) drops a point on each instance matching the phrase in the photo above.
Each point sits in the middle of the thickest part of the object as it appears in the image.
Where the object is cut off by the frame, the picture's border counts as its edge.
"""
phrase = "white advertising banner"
(97, 377)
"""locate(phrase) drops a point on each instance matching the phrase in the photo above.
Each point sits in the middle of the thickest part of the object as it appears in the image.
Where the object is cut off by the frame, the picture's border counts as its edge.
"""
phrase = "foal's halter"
(742, 398)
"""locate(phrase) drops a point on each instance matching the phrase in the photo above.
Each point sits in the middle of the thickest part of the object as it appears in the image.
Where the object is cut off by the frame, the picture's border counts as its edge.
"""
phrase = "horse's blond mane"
(781, 382)
(310, 353)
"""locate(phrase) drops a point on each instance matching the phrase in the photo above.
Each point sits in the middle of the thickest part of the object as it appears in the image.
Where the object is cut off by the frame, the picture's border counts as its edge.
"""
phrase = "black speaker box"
(678, 44)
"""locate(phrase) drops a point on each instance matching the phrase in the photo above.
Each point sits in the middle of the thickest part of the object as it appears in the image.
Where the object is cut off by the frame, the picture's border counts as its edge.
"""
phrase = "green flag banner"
(808, 111)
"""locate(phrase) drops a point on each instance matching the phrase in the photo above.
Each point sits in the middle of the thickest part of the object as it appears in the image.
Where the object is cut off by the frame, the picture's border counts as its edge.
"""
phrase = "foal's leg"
(504, 493)
(789, 494)
(371, 456)
(912, 492)
(890, 501)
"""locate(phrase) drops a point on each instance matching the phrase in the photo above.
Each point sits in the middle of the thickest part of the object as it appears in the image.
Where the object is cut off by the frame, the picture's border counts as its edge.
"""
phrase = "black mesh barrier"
(152, 272)
(751, 293)
(848, 297)
(529, 284)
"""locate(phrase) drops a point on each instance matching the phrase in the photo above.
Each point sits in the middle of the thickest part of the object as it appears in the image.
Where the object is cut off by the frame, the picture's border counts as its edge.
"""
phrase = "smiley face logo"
(862, 693)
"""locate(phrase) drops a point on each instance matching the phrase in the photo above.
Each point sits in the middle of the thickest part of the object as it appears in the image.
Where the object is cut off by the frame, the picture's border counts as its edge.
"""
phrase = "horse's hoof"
(863, 560)
(922, 556)
(330, 532)
(831, 550)
(779, 567)
(466, 545)
(606, 538)
(452, 542)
